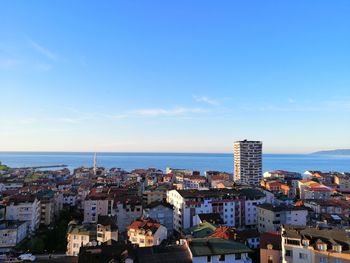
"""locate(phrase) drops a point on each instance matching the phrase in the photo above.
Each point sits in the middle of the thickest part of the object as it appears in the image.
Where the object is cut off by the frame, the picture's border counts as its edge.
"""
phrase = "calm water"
(201, 162)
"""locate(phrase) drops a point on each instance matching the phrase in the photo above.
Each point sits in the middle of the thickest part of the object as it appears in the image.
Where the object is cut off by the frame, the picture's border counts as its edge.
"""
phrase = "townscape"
(93, 214)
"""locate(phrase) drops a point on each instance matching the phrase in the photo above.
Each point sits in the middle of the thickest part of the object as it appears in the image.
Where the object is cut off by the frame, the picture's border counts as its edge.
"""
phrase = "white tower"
(94, 169)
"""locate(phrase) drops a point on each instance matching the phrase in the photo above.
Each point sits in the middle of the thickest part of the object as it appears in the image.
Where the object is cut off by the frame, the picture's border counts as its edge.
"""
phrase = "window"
(222, 258)
(238, 256)
(293, 242)
(289, 253)
(323, 260)
(208, 259)
(322, 247)
(303, 256)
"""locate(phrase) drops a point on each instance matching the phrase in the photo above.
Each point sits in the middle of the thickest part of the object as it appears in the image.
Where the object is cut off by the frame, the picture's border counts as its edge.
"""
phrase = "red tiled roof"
(224, 232)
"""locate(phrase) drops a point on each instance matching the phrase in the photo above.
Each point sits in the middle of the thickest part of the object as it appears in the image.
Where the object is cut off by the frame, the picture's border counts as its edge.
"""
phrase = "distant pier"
(43, 166)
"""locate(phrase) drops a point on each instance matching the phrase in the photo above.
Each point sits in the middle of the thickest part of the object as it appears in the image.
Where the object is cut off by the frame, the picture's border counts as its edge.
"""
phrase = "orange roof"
(145, 224)
(224, 232)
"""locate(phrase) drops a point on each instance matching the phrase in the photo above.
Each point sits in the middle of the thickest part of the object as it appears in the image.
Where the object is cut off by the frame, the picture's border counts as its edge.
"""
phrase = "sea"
(195, 161)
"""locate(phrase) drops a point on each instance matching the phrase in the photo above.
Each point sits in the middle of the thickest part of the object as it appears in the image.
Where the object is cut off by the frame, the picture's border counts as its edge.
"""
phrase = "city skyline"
(174, 77)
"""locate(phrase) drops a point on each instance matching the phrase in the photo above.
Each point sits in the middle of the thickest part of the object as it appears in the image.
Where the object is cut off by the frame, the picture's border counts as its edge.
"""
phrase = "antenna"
(94, 169)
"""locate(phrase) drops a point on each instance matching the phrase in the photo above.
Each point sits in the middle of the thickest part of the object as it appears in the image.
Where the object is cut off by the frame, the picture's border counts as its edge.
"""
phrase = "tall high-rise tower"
(247, 162)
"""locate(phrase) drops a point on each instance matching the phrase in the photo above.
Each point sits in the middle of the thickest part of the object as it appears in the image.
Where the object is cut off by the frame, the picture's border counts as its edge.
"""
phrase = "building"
(107, 229)
(189, 203)
(253, 197)
(24, 208)
(127, 211)
(320, 176)
(218, 250)
(249, 237)
(47, 206)
(181, 171)
(248, 162)
(175, 253)
(78, 236)
(146, 232)
(70, 198)
(12, 233)
(150, 196)
(204, 229)
(271, 217)
(217, 176)
(308, 244)
(332, 206)
(310, 189)
(110, 251)
(213, 218)
(162, 212)
(342, 181)
(270, 248)
(97, 204)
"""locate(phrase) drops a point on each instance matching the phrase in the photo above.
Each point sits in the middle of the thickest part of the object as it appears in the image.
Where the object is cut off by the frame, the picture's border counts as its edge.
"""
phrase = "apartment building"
(12, 233)
(342, 181)
(47, 206)
(107, 228)
(309, 189)
(332, 206)
(162, 212)
(247, 162)
(271, 217)
(24, 208)
(70, 198)
(189, 203)
(314, 245)
(98, 202)
(78, 236)
(127, 211)
(252, 197)
(270, 248)
(150, 196)
(146, 232)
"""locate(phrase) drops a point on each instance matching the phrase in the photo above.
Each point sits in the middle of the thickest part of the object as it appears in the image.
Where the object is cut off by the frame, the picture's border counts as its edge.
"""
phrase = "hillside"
(334, 152)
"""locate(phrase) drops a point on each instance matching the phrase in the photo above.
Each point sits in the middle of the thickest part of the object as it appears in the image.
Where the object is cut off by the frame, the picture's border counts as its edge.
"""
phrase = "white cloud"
(167, 112)
(206, 99)
(8, 63)
(321, 106)
(43, 50)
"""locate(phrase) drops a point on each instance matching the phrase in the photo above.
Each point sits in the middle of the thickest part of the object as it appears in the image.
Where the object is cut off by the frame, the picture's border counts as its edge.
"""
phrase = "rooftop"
(194, 193)
(330, 236)
(204, 229)
(164, 254)
(270, 238)
(280, 208)
(213, 218)
(216, 246)
(145, 224)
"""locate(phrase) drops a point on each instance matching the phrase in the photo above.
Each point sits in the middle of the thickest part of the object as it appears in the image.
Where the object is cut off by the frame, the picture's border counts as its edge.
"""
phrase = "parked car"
(27, 257)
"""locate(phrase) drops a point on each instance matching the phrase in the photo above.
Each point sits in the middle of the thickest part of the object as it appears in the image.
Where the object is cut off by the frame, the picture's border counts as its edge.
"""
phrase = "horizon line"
(146, 152)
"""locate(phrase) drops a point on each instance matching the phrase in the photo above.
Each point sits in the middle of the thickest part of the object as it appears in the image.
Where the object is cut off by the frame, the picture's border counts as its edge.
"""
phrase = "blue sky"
(174, 76)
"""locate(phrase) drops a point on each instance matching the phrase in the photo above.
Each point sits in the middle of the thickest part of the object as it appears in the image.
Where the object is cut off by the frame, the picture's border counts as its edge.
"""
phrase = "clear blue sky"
(174, 76)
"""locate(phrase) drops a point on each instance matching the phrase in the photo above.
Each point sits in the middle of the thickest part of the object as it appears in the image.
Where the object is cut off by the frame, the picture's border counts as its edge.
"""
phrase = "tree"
(36, 245)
